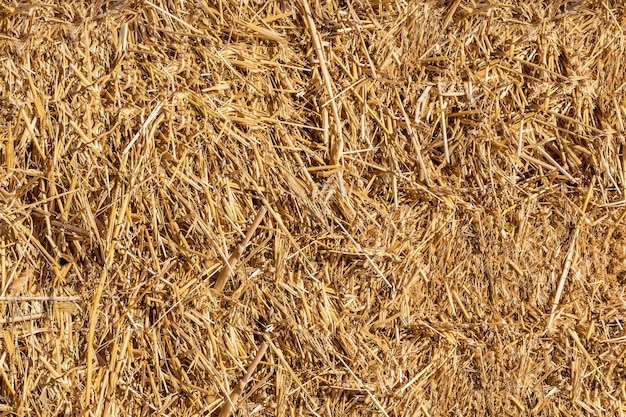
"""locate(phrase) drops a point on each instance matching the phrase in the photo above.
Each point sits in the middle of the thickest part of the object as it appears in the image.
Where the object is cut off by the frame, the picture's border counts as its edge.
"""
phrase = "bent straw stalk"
(227, 269)
(234, 396)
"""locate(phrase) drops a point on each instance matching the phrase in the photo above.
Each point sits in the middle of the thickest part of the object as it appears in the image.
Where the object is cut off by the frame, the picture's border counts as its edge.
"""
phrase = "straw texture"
(339, 208)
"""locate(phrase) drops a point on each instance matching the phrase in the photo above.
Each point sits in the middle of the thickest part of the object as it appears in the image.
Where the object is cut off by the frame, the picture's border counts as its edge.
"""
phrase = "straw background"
(439, 188)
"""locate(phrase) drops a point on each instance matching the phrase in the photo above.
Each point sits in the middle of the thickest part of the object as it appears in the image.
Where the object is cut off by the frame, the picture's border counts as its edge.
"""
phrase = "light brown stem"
(28, 317)
(54, 298)
(234, 395)
(568, 259)
(227, 269)
(336, 147)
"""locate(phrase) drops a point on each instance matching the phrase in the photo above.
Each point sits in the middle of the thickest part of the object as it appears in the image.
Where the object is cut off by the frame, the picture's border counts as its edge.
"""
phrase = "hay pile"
(438, 188)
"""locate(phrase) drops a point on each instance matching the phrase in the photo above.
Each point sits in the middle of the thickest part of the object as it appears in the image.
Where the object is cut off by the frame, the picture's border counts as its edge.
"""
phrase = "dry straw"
(299, 208)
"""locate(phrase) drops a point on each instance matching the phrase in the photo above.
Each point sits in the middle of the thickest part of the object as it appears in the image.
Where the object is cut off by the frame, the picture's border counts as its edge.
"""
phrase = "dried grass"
(439, 189)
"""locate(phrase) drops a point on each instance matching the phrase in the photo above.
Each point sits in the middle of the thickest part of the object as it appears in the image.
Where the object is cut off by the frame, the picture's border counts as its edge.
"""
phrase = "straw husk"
(438, 190)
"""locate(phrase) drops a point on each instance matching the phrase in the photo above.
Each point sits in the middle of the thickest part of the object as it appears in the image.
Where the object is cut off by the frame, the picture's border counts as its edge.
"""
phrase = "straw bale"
(312, 208)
